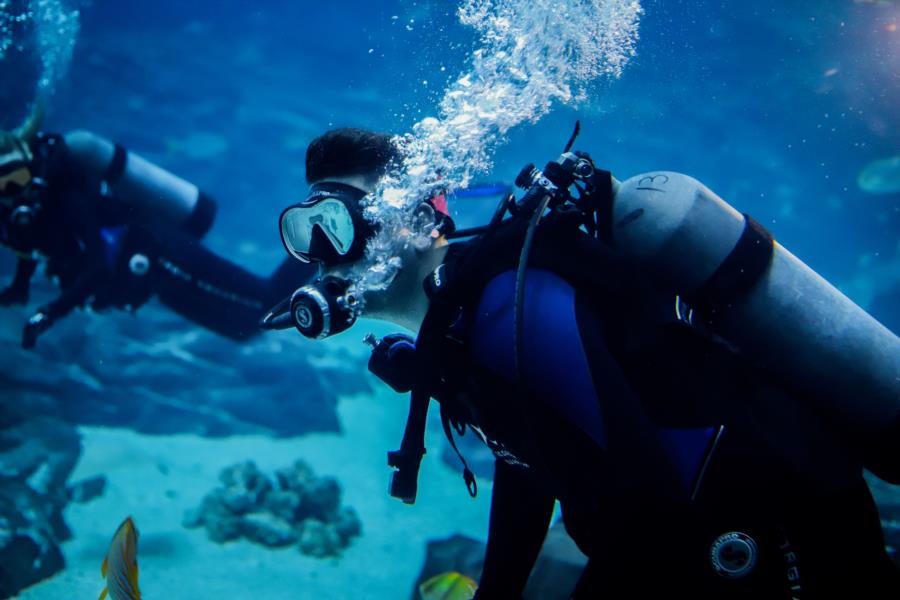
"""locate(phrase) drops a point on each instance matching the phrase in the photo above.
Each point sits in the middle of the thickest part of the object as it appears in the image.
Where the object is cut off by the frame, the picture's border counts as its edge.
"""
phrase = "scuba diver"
(700, 403)
(115, 229)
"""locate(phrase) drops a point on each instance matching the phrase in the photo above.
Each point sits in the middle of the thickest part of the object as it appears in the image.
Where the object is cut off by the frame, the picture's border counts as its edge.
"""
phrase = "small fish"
(448, 586)
(881, 176)
(120, 568)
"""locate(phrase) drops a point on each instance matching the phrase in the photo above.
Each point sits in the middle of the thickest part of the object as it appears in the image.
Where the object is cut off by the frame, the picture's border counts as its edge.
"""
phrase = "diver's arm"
(79, 216)
(17, 292)
(521, 510)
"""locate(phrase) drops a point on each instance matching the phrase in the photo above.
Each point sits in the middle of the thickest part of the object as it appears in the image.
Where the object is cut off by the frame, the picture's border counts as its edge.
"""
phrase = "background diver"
(115, 229)
(710, 442)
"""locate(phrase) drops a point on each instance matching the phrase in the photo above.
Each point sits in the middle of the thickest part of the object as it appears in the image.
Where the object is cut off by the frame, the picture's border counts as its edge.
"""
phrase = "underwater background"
(776, 106)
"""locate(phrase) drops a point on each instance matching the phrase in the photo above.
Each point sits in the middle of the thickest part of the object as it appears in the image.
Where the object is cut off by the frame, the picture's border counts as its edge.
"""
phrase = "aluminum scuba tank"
(787, 318)
(151, 193)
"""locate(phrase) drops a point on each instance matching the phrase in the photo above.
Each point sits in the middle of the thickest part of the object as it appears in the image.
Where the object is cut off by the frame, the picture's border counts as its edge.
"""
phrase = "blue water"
(737, 96)
(777, 106)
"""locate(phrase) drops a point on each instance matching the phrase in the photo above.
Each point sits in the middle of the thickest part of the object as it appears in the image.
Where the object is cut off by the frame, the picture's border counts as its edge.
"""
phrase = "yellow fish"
(120, 568)
(448, 586)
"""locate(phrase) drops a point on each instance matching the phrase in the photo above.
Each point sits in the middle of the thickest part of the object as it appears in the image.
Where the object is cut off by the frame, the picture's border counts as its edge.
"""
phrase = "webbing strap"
(744, 266)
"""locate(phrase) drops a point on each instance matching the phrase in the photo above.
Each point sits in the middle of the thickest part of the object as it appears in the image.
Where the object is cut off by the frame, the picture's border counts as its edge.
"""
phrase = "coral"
(299, 508)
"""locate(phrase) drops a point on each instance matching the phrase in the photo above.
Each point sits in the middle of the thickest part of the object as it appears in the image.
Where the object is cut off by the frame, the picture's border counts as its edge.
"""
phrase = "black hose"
(520, 284)
(574, 136)
(471, 232)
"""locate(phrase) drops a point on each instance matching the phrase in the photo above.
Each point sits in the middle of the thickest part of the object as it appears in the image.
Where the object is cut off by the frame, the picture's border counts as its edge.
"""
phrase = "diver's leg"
(838, 543)
(204, 287)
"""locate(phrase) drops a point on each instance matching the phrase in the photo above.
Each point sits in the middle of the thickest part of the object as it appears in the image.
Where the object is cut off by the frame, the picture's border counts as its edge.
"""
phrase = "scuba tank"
(725, 269)
(152, 194)
(721, 268)
(760, 297)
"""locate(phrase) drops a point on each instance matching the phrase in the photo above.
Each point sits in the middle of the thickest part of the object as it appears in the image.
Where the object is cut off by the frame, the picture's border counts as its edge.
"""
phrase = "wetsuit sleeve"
(80, 218)
(25, 268)
(200, 285)
(521, 510)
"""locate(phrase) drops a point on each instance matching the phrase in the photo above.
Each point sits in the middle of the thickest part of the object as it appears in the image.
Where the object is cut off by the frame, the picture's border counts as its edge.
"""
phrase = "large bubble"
(46, 28)
(530, 55)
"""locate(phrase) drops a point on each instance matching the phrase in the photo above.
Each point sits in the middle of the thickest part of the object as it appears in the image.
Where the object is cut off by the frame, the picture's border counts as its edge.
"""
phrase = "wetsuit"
(679, 468)
(105, 251)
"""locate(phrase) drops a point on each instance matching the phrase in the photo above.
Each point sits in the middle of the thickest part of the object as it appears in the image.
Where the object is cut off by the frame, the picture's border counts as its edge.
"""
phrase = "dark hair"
(348, 151)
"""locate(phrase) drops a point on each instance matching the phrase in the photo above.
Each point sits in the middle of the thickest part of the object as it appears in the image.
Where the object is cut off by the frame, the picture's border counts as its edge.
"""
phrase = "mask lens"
(330, 215)
(20, 177)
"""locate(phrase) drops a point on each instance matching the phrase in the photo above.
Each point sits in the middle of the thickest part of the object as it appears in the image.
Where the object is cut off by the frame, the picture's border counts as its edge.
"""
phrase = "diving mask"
(14, 171)
(328, 226)
(12, 182)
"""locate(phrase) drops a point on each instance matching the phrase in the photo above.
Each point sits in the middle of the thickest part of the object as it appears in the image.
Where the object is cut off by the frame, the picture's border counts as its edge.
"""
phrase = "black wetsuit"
(681, 470)
(89, 241)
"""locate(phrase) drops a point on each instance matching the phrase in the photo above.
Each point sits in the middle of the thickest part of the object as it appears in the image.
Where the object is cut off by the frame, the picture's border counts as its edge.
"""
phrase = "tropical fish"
(881, 176)
(448, 586)
(120, 568)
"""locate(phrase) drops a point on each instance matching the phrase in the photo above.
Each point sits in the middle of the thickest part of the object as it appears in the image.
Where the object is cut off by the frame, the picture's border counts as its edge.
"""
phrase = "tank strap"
(202, 217)
(739, 272)
(116, 166)
(603, 199)
(447, 423)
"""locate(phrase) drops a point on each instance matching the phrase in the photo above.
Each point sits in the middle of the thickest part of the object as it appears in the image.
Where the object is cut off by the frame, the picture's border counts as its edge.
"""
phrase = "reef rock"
(268, 530)
(155, 373)
(86, 489)
(555, 573)
(321, 499)
(30, 532)
(319, 539)
(37, 456)
(457, 553)
(300, 508)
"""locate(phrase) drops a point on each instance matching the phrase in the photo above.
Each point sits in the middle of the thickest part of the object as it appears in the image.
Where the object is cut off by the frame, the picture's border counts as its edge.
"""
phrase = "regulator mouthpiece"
(324, 308)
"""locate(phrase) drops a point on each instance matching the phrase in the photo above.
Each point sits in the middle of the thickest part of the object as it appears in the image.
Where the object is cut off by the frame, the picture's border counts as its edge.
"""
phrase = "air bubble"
(531, 55)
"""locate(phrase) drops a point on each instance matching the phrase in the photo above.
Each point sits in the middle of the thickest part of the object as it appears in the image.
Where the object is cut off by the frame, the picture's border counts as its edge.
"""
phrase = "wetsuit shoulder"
(555, 367)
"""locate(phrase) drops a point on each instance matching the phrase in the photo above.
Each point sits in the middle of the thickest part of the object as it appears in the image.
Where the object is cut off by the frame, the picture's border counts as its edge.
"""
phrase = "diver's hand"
(13, 296)
(37, 324)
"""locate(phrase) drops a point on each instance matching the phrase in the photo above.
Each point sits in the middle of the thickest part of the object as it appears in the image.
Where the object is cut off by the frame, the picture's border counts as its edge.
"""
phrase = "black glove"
(13, 296)
(37, 324)
(393, 361)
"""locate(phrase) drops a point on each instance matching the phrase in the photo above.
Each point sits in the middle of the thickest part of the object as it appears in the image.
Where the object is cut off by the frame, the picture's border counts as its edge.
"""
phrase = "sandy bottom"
(156, 479)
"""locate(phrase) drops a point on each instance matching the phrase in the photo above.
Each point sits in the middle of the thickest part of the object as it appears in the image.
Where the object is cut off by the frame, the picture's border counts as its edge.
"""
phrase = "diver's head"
(15, 171)
(16, 156)
(343, 167)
